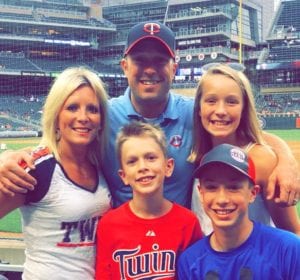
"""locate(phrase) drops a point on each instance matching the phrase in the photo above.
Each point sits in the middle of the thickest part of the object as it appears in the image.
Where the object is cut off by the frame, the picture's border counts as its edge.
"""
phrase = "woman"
(60, 216)
(224, 112)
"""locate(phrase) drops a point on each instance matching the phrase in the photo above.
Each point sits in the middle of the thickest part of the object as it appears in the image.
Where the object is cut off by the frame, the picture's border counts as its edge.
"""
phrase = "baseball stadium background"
(40, 38)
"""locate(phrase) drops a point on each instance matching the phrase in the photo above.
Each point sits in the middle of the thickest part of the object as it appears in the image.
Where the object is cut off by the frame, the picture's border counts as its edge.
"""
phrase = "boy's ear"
(170, 167)
(254, 192)
(200, 190)
(122, 176)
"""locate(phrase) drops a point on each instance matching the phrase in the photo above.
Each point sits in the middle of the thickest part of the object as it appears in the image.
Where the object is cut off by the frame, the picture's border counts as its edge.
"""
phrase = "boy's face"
(225, 195)
(144, 166)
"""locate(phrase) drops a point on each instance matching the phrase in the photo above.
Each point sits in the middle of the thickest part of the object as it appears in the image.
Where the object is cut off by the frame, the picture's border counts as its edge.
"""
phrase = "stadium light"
(240, 31)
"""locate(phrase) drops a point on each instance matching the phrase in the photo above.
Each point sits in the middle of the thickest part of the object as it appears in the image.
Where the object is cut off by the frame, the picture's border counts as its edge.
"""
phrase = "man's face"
(150, 71)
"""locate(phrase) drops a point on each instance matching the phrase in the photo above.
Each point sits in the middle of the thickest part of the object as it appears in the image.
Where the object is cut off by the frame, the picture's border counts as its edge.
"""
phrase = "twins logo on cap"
(231, 156)
(237, 155)
(152, 28)
(154, 31)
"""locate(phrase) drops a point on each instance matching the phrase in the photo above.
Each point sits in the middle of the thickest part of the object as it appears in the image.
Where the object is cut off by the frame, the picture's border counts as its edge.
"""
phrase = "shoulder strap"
(249, 146)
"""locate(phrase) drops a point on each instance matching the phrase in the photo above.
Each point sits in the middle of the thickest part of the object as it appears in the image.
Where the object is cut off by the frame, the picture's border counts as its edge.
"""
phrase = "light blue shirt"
(177, 123)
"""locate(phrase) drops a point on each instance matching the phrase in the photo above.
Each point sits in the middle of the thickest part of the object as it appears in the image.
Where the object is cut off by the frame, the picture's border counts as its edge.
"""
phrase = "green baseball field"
(11, 223)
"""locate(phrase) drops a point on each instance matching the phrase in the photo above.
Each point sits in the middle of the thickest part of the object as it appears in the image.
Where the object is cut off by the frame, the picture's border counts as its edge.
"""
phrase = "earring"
(57, 134)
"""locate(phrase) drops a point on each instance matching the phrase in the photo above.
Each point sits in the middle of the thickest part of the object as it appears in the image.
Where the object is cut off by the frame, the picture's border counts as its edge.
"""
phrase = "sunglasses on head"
(233, 65)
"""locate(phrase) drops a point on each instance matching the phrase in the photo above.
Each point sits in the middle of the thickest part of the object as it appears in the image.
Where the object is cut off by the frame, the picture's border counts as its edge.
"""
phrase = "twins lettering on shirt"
(80, 233)
(136, 265)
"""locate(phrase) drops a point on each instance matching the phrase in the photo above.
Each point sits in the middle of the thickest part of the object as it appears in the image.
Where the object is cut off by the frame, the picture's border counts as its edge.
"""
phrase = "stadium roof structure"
(41, 38)
(283, 50)
(279, 63)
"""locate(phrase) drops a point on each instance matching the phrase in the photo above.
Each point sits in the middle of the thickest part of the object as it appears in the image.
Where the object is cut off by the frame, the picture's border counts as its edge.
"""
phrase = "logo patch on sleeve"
(176, 141)
(36, 154)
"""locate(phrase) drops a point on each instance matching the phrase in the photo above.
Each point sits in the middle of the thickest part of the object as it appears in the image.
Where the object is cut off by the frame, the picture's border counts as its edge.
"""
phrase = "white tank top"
(59, 225)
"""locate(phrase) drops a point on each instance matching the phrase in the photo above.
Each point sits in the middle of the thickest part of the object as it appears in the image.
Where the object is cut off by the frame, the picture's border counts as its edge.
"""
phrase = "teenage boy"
(238, 248)
(142, 238)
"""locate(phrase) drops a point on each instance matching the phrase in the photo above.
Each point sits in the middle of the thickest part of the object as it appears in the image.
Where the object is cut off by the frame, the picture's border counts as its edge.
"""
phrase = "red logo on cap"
(152, 28)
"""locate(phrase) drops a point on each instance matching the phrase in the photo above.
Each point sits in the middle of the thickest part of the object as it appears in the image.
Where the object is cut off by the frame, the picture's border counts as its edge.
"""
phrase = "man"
(238, 248)
(149, 65)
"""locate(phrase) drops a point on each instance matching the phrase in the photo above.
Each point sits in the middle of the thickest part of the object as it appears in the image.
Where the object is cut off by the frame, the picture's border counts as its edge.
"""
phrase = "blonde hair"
(64, 85)
(141, 129)
(248, 129)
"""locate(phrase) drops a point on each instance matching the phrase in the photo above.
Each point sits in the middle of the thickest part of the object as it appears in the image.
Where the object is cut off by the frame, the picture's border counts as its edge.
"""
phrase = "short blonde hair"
(248, 129)
(141, 129)
(64, 85)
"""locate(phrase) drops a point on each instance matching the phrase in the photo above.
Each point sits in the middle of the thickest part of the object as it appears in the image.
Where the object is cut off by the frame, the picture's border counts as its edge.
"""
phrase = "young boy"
(238, 248)
(143, 237)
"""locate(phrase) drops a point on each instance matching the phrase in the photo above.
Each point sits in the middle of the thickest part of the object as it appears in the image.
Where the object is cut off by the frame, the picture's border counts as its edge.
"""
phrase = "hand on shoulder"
(13, 177)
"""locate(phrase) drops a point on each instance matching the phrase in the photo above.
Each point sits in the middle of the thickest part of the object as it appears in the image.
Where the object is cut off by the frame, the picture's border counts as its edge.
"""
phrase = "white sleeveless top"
(59, 224)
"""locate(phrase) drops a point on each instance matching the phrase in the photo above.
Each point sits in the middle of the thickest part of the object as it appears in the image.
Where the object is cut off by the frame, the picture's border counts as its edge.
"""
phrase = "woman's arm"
(10, 203)
(284, 181)
(283, 217)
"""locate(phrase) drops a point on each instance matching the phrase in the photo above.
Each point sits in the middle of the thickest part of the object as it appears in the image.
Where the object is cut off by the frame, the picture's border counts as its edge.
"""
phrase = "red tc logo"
(152, 28)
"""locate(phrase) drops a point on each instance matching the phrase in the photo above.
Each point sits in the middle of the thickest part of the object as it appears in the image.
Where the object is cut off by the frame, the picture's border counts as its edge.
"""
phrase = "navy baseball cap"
(231, 156)
(152, 30)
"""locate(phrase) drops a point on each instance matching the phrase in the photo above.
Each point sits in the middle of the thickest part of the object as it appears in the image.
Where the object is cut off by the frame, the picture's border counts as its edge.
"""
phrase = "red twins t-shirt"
(129, 247)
